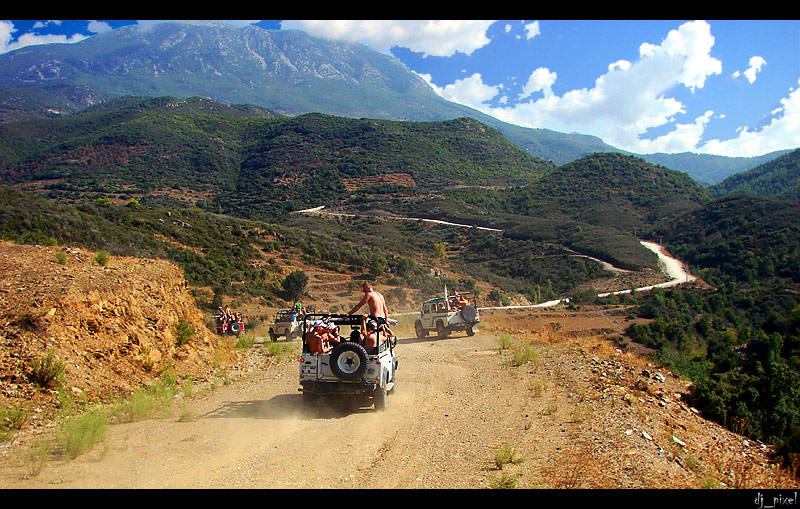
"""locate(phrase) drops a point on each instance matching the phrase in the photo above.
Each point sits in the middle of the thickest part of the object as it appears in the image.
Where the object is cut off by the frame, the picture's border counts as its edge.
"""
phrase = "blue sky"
(728, 87)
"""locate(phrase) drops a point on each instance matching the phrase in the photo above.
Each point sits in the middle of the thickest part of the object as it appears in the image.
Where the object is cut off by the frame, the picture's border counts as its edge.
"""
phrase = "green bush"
(101, 258)
(11, 420)
(80, 433)
(184, 332)
(295, 284)
(48, 371)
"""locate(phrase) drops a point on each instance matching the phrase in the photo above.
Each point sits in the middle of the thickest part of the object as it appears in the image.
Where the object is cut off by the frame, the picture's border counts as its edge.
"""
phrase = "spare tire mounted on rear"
(469, 313)
(348, 361)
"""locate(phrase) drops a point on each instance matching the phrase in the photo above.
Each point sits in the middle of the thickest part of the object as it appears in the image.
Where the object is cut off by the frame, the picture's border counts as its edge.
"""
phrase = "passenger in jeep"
(375, 301)
(460, 301)
(369, 335)
(332, 334)
(316, 338)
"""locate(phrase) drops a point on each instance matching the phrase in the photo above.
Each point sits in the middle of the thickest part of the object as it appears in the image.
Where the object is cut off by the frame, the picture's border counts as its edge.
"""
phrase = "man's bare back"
(375, 301)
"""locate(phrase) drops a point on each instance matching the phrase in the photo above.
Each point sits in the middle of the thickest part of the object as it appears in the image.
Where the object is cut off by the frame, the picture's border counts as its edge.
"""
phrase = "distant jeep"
(287, 324)
(444, 315)
(228, 327)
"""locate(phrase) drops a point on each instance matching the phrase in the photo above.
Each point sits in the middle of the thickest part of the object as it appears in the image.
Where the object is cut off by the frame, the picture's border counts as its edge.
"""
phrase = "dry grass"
(576, 468)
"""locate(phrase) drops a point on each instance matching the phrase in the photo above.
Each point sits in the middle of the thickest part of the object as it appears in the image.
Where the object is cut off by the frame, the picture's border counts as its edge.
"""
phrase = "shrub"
(102, 257)
(295, 284)
(80, 433)
(48, 371)
(61, 257)
(184, 332)
(245, 341)
(505, 481)
(11, 420)
(506, 454)
(524, 354)
(146, 401)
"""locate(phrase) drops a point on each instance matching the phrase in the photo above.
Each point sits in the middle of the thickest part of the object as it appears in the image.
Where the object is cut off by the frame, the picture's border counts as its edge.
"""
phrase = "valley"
(152, 176)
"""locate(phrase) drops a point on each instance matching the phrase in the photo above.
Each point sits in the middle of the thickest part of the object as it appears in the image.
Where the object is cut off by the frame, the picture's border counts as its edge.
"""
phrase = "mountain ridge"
(306, 74)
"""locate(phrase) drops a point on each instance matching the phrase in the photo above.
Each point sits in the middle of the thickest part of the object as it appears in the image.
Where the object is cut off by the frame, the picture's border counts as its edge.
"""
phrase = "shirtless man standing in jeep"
(375, 301)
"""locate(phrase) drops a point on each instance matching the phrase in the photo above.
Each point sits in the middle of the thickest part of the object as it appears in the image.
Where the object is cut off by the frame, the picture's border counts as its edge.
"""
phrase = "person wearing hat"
(332, 334)
(316, 338)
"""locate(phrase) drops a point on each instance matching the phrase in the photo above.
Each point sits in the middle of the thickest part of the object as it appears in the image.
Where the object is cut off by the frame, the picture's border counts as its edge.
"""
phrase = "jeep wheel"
(379, 398)
(441, 330)
(470, 331)
(421, 333)
(348, 361)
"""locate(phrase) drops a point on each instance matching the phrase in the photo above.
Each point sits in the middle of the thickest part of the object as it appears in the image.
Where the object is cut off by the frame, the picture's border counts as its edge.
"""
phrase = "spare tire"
(469, 313)
(348, 361)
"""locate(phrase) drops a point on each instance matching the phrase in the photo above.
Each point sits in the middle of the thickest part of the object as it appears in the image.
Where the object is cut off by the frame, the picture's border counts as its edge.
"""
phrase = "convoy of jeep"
(335, 359)
(446, 314)
(348, 368)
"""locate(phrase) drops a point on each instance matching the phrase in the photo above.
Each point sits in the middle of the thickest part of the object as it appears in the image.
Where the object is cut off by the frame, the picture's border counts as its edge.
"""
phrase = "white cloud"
(441, 38)
(625, 102)
(540, 80)
(29, 39)
(756, 63)
(783, 131)
(99, 27)
(470, 91)
(532, 30)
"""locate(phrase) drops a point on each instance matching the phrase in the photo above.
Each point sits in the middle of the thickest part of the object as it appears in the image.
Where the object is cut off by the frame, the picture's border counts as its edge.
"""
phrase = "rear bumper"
(326, 388)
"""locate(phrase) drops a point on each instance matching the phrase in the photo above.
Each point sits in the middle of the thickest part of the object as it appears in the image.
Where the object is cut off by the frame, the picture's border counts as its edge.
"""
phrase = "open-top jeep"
(445, 315)
(347, 368)
(285, 323)
(228, 327)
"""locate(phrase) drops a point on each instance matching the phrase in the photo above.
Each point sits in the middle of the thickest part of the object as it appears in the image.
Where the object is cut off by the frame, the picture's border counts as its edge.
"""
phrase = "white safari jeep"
(286, 324)
(444, 315)
(348, 368)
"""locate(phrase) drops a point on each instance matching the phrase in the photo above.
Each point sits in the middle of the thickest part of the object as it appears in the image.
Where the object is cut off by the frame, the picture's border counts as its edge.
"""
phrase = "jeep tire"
(348, 361)
(421, 333)
(441, 330)
(379, 398)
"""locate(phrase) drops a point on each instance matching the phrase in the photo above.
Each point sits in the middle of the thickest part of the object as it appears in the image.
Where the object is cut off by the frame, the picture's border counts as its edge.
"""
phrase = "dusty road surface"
(578, 413)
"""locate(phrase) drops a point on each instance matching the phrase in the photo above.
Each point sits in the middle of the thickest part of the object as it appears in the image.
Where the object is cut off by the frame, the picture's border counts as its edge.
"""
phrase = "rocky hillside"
(113, 327)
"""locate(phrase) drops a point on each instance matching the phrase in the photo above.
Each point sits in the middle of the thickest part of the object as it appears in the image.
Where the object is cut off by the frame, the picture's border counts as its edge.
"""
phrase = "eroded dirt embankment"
(113, 327)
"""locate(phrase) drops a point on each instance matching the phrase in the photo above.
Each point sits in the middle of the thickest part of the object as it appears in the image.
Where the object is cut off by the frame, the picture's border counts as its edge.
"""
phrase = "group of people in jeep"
(457, 302)
(227, 316)
(323, 335)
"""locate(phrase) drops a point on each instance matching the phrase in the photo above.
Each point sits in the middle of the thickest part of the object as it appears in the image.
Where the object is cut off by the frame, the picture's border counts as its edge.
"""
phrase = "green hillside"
(740, 340)
(599, 205)
(778, 178)
(249, 161)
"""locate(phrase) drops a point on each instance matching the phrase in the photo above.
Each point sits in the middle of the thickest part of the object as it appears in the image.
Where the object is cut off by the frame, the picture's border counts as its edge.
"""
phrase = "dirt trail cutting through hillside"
(579, 413)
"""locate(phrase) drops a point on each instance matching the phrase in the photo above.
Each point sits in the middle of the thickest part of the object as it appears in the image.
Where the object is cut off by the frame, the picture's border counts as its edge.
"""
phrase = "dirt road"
(436, 432)
(570, 413)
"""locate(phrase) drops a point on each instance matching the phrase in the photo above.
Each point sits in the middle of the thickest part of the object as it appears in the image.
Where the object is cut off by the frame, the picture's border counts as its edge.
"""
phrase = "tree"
(295, 284)
(439, 250)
